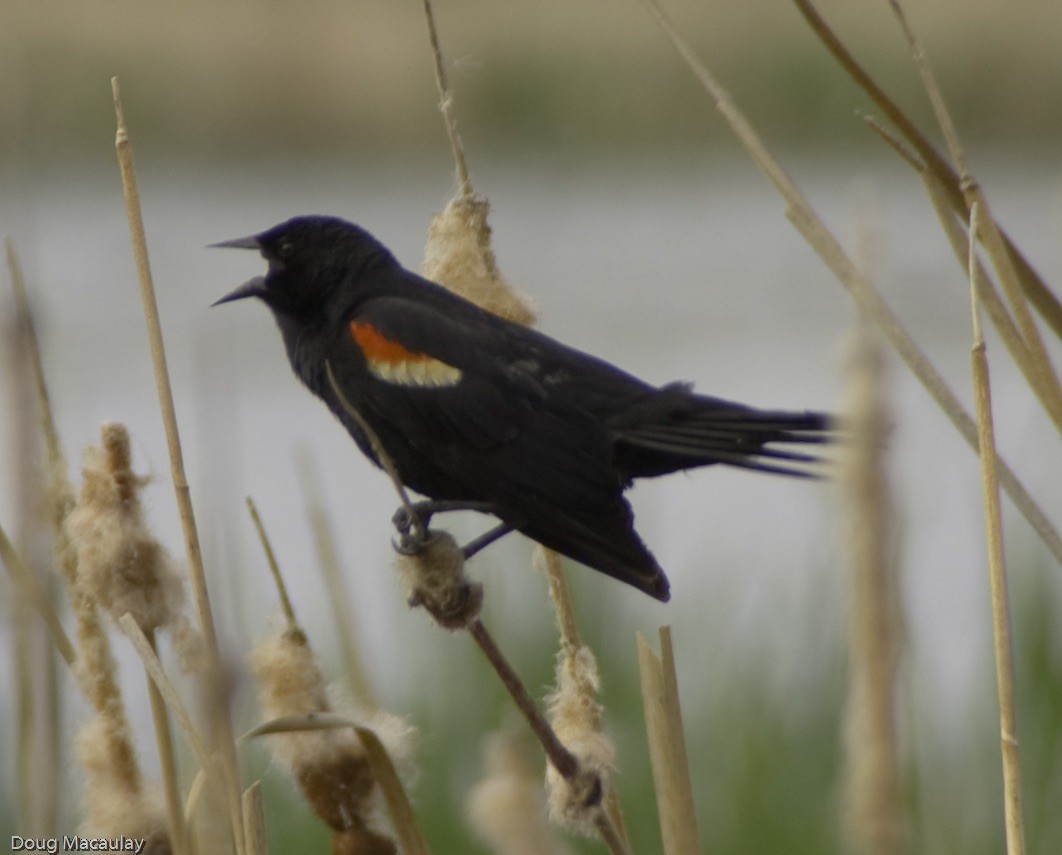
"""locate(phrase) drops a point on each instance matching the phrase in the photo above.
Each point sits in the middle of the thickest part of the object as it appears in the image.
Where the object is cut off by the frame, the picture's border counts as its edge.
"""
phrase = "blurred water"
(674, 271)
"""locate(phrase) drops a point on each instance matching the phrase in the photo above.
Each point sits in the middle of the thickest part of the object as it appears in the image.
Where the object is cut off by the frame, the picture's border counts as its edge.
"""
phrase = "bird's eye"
(285, 248)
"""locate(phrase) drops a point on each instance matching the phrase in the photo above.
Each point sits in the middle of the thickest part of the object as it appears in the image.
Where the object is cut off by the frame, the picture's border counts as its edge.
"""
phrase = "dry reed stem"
(167, 760)
(274, 568)
(254, 826)
(205, 811)
(549, 563)
(954, 229)
(986, 291)
(815, 232)
(38, 717)
(1044, 381)
(166, 689)
(386, 463)
(667, 746)
(610, 836)
(561, 758)
(446, 101)
(52, 445)
(222, 726)
(31, 591)
(398, 805)
(1015, 832)
(338, 598)
(873, 815)
(1046, 303)
(899, 146)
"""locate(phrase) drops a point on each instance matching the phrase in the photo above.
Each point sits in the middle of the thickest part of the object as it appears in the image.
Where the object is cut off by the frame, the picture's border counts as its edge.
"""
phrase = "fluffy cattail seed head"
(576, 716)
(330, 766)
(458, 255)
(120, 564)
(434, 577)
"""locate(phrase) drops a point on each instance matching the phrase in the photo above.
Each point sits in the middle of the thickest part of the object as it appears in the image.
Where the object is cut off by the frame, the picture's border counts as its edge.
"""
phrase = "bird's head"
(313, 263)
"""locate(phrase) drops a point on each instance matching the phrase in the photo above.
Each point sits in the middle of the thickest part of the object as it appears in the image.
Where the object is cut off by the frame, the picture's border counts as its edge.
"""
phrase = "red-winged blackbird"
(475, 409)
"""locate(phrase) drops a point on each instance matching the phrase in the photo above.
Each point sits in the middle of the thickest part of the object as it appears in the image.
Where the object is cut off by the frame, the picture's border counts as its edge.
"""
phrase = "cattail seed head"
(330, 766)
(120, 564)
(434, 577)
(458, 255)
(576, 717)
(116, 803)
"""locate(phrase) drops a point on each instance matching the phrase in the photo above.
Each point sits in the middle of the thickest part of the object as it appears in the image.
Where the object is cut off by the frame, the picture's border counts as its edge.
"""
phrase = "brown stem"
(559, 756)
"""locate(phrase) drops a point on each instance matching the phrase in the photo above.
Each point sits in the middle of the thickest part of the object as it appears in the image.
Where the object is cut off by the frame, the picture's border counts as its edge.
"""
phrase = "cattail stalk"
(167, 761)
(222, 726)
(1044, 381)
(274, 568)
(446, 105)
(1045, 301)
(37, 699)
(153, 668)
(254, 820)
(873, 816)
(667, 746)
(997, 573)
(986, 291)
(31, 591)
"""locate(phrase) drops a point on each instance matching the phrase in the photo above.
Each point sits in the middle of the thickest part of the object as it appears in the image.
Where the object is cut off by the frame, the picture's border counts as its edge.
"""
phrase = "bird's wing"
(432, 377)
(458, 401)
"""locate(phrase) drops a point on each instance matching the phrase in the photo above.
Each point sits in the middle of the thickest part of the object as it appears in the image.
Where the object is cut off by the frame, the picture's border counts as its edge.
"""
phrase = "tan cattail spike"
(330, 766)
(459, 255)
(434, 577)
(576, 716)
(120, 564)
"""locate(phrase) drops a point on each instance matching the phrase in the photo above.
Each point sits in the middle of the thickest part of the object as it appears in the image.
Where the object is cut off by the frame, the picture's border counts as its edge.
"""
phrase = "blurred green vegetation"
(323, 76)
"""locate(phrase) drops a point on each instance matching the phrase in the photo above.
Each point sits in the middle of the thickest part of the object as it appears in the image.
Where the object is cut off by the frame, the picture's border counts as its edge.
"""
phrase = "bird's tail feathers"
(708, 430)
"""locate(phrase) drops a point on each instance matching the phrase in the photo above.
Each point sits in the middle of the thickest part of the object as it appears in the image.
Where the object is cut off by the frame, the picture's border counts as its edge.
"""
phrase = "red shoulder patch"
(378, 348)
(393, 362)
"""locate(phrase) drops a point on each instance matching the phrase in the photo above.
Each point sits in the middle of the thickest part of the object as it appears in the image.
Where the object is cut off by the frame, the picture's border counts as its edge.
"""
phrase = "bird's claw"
(411, 526)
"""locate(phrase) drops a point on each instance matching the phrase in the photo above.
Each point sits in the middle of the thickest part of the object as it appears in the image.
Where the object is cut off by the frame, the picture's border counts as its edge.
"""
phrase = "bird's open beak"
(251, 288)
(238, 243)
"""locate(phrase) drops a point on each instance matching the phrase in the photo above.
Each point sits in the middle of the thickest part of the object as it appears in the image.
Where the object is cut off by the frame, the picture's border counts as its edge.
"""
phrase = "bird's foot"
(413, 525)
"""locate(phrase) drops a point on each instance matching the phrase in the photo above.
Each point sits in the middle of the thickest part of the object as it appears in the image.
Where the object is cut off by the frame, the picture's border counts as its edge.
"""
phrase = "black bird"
(476, 410)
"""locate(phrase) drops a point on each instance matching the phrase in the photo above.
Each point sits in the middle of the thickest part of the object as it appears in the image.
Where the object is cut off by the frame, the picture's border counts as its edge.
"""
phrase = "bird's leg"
(486, 539)
(413, 521)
